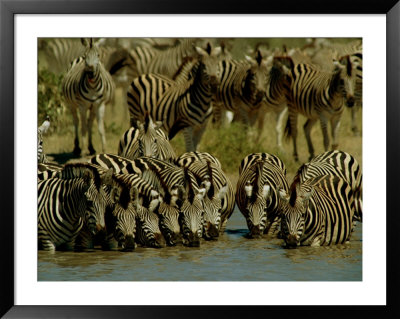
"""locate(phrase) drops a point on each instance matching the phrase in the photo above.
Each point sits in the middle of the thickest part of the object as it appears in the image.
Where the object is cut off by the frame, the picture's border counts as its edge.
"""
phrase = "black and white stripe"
(146, 139)
(317, 212)
(261, 175)
(68, 201)
(183, 104)
(219, 201)
(88, 87)
(319, 95)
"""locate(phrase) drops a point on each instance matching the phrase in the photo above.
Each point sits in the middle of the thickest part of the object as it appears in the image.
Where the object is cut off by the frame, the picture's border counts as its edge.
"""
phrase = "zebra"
(317, 212)
(179, 188)
(148, 59)
(242, 87)
(261, 176)
(336, 163)
(68, 201)
(87, 86)
(219, 201)
(41, 130)
(278, 83)
(146, 139)
(319, 95)
(183, 104)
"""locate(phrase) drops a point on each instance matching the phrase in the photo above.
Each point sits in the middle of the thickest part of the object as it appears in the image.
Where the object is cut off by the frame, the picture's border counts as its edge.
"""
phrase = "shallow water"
(231, 258)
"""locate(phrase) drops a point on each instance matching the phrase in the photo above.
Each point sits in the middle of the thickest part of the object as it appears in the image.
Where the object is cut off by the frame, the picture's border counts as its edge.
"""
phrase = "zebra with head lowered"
(87, 87)
(219, 201)
(66, 202)
(319, 95)
(261, 175)
(146, 139)
(182, 204)
(336, 163)
(316, 212)
(180, 104)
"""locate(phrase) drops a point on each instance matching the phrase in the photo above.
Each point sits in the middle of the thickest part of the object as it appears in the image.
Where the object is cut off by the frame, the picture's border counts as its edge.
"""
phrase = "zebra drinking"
(261, 175)
(317, 212)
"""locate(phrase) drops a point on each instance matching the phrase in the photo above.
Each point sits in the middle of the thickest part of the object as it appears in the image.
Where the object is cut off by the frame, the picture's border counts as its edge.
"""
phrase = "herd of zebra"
(148, 196)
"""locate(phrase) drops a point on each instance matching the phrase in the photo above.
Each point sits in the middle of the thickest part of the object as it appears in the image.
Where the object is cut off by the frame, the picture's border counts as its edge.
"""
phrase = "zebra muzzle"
(291, 241)
(129, 243)
(256, 232)
(350, 102)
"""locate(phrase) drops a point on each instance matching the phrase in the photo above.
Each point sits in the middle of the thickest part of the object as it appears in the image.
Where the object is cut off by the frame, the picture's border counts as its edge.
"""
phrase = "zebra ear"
(87, 178)
(155, 201)
(306, 196)
(283, 195)
(248, 189)
(84, 42)
(115, 195)
(158, 124)
(107, 177)
(201, 192)
(222, 192)
(249, 59)
(216, 51)
(266, 191)
(200, 51)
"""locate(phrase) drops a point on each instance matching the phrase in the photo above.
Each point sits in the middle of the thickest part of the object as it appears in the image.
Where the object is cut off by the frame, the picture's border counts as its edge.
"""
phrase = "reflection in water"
(231, 258)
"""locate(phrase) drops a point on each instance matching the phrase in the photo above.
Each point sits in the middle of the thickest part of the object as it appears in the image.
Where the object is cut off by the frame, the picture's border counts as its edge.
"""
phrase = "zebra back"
(336, 163)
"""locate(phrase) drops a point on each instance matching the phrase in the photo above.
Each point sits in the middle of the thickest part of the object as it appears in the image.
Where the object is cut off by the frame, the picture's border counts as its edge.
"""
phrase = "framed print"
(51, 285)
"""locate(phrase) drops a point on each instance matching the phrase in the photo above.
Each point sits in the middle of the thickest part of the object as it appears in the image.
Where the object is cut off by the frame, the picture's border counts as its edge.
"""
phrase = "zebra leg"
(84, 124)
(307, 131)
(188, 135)
(354, 127)
(280, 116)
(198, 132)
(92, 113)
(77, 149)
(324, 128)
(100, 124)
(335, 124)
(292, 123)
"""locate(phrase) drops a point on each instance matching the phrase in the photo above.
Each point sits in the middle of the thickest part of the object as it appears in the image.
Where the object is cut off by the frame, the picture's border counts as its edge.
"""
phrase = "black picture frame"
(9, 8)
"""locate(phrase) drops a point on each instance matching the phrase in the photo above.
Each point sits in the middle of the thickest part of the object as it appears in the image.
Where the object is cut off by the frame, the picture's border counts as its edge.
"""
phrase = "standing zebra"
(88, 87)
(319, 95)
(147, 59)
(242, 87)
(181, 104)
(41, 130)
(336, 163)
(317, 212)
(219, 201)
(67, 202)
(261, 175)
(145, 139)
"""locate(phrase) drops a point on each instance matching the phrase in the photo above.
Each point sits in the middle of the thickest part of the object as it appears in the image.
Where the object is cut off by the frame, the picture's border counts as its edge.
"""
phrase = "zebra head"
(209, 60)
(254, 85)
(191, 211)
(121, 219)
(293, 213)
(91, 57)
(169, 223)
(346, 71)
(148, 232)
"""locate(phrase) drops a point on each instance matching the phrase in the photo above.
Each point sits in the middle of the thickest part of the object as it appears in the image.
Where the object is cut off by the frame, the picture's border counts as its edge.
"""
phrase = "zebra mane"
(125, 196)
(188, 184)
(293, 187)
(211, 191)
(258, 171)
(78, 170)
(185, 68)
